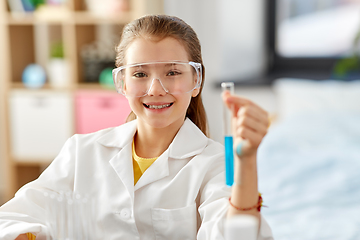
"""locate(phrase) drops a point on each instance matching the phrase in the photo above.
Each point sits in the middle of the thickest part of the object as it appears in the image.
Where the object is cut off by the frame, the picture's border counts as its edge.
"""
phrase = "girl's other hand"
(250, 123)
(22, 237)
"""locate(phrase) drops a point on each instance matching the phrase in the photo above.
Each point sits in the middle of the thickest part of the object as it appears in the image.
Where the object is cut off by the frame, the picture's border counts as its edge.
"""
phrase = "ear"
(195, 92)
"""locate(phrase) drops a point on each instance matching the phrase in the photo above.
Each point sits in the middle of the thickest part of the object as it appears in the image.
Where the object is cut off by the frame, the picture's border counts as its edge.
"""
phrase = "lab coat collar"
(158, 170)
(119, 136)
(188, 142)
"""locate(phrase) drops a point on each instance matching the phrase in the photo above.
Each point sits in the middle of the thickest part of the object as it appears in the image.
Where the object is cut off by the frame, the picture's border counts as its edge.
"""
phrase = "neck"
(152, 142)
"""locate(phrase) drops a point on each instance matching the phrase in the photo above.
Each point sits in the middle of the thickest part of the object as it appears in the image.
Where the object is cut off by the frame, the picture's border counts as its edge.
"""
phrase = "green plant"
(57, 50)
(37, 3)
(349, 65)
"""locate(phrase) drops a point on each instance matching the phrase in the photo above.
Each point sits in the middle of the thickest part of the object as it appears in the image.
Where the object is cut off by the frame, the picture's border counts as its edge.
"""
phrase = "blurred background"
(298, 59)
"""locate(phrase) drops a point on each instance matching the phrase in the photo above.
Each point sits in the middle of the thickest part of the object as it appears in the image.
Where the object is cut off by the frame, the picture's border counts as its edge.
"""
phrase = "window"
(306, 38)
(317, 28)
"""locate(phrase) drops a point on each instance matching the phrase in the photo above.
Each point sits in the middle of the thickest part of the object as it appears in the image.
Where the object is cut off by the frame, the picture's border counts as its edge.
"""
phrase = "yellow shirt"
(31, 236)
(140, 164)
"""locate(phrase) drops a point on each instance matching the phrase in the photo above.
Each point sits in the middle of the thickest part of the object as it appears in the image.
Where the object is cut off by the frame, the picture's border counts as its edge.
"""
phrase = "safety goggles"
(175, 77)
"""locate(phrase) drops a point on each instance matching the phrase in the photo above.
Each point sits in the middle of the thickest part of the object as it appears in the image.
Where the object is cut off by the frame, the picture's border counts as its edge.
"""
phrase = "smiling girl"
(158, 176)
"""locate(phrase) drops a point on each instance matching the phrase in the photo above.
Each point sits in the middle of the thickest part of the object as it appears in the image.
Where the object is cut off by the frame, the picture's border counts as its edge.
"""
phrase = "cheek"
(186, 103)
(134, 104)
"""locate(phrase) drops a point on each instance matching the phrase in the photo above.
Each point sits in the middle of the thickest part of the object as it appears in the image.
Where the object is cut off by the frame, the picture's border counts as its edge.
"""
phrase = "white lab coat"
(182, 195)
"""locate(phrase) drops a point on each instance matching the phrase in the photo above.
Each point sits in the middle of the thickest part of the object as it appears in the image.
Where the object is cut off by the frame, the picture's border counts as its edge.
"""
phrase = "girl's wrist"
(244, 167)
(246, 159)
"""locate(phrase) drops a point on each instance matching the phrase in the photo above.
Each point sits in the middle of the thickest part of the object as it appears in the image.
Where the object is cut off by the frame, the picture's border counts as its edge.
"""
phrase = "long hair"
(160, 27)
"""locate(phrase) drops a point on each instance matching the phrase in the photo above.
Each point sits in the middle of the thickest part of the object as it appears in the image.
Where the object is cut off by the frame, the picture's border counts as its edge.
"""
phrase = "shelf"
(22, 50)
(47, 15)
(20, 19)
(84, 18)
(93, 86)
(80, 18)
(27, 38)
(45, 87)
(32, 162)
(48, 87)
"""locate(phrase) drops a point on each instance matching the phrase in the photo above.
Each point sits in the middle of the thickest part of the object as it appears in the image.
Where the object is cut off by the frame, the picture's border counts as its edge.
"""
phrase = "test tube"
(228, 138)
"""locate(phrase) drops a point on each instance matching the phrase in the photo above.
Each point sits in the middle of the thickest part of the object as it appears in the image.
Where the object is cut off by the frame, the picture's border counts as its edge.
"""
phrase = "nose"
(156, 88)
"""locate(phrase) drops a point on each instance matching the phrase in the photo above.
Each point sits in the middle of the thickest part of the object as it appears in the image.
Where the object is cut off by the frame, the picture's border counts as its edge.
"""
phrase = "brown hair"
(160, 27)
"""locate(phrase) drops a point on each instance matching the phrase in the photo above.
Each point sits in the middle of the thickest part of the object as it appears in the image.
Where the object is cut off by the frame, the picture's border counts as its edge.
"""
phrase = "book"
(28, 5)
(16, 6)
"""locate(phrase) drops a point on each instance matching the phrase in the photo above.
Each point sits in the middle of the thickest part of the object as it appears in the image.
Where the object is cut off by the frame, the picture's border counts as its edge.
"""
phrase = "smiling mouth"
(158, 106)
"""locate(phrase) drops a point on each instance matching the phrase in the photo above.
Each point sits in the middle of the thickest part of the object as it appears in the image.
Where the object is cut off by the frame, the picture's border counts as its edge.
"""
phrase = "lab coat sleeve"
(26, 211)
(214, 204)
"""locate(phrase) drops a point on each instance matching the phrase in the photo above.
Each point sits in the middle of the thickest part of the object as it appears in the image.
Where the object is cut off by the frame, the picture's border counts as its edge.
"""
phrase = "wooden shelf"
(94, 86)
(25, 38)
(45, 87)
(32, 162)
(88, 18)
(20, 19)
(81, 18)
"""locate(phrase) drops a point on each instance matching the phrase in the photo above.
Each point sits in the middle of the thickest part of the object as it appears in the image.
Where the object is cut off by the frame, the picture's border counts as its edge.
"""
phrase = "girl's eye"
(139, 75)
(173, 73)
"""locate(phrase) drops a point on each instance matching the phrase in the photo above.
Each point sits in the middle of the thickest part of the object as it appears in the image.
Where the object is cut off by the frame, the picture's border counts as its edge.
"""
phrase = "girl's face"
(159, 109)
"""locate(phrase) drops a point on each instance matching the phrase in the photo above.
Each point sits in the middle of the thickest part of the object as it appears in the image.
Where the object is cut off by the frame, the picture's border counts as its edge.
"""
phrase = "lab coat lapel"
(189, 141)
(158, 170)
(121, 137)
(123, 166)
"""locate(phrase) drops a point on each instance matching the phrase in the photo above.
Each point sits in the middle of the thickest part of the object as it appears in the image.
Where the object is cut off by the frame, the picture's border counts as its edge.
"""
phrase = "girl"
(158, 176)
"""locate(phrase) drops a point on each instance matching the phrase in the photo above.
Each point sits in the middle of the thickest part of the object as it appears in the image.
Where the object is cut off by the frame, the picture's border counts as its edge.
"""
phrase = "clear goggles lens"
(137, 80)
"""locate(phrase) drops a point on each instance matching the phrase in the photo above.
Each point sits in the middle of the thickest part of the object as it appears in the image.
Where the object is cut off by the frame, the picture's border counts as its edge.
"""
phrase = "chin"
(163, 123)
(159, 124)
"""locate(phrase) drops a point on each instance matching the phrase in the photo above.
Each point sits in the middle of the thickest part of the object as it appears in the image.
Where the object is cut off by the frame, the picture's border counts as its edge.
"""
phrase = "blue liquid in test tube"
(229, 161)
(228, 139)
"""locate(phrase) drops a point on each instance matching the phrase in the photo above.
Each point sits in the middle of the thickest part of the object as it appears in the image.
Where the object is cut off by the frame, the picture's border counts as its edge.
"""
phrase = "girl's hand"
(250, 123)
(22, 237)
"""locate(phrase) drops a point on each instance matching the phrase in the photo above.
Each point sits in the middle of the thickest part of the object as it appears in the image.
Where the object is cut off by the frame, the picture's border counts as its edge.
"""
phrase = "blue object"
(28, 5)
(34, 76)
(238, 148)
(229, 161)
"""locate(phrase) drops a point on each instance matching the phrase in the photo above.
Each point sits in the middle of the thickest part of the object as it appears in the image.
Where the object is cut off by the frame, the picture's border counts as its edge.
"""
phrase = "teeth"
(158, 106)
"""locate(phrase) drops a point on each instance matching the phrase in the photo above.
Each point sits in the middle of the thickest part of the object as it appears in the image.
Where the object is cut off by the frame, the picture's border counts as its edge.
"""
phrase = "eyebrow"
(175, 64)
(146, 66)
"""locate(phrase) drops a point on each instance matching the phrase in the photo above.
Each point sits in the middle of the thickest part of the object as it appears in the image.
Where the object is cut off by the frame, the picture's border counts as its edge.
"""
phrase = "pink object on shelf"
(99, 109)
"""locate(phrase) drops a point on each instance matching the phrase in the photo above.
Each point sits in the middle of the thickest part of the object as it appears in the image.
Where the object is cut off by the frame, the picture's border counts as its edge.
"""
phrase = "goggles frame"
(119, 85)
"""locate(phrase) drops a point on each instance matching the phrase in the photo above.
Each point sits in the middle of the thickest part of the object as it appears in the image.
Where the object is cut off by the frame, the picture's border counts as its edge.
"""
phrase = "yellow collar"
(137, 158)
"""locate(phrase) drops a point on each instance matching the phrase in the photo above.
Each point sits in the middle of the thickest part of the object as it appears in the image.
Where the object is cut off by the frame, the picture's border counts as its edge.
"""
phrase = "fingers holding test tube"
(250, 123)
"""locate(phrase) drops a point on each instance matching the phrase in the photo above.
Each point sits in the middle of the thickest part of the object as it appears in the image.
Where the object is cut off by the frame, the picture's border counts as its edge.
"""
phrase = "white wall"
(232, 38)
(203, 16)
(242, 38)
(231, 34)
